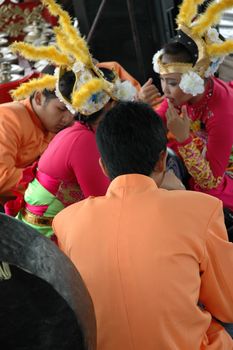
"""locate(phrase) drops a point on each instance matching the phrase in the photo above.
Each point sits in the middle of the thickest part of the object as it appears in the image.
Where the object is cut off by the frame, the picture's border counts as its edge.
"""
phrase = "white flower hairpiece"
(215, 63)
(85, 76)
(213, 35)
(192, 83)
(124, 91)
(155, 60)
(78, 66)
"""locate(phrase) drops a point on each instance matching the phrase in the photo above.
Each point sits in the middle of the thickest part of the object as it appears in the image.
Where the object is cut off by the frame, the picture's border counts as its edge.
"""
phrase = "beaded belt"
(36, 219)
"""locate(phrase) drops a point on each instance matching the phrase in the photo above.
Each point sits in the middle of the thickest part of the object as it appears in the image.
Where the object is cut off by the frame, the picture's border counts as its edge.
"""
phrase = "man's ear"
(38, 98)
(103, 167)
(160, 166)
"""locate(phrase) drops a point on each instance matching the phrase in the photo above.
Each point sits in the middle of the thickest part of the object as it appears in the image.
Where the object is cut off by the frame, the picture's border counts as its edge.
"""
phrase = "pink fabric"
(48, 182)
(218, 121)
(36, 209)
(73, 157)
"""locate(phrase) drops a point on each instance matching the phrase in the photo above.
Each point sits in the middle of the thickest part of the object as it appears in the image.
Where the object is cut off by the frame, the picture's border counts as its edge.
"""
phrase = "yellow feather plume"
(56, 10)
(76, 39)
(41, 52)
(188, 11)
(211, 16)
(66, 46)
(26, 89)
(72, 33)
(222, 49)
(84, 93)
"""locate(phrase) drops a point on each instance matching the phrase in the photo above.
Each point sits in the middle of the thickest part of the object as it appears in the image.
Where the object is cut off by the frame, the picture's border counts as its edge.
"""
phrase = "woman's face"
(172, 91)
(170, 85)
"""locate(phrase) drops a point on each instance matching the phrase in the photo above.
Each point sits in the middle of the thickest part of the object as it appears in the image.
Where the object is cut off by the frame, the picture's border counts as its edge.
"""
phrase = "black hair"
(66, 84)
(88, 119)
(179, 52)
(130, 139)
(109, 74)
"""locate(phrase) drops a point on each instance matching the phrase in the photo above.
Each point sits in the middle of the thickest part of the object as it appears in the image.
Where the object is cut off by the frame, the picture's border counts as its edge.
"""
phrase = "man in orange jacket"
(148, 255)
(26, 128)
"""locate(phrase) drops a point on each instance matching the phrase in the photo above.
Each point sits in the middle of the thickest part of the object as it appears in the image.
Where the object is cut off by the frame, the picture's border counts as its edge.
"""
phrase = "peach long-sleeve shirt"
(148, 256)
(22, 140)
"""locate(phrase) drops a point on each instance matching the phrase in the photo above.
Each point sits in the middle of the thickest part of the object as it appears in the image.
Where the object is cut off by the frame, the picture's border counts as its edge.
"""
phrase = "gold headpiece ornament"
(203, 42)
(91, 90)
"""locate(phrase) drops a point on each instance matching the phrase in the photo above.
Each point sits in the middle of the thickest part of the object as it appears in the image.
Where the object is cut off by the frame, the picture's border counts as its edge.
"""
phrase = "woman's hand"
(149, 93)
(178, 125)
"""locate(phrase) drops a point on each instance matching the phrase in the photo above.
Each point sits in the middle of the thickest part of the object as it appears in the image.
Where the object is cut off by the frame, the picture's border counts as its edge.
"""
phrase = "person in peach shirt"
(26, 128)
(157, 263)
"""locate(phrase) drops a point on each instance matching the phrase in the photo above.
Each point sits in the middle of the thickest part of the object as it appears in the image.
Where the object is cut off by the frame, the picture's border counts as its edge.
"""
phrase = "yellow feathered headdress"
(200, 39)
(91, 91)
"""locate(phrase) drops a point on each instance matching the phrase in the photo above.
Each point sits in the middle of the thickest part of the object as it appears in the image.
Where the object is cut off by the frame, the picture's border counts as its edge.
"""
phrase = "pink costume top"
(68, 172)
(207, 152)
(73, 158)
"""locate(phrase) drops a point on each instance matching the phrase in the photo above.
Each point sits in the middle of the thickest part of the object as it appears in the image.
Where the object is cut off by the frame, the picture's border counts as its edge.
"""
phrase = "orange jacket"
(147, 257)
(22, 140)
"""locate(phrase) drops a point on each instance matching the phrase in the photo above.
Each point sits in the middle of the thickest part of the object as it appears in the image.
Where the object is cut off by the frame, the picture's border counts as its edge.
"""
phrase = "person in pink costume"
(68, 171)
(200, 128)
(197, 109)
(73, 157)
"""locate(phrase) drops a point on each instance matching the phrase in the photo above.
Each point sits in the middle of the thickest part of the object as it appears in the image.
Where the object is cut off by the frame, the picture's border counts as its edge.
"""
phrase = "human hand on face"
(178, 124)
(171, 182)
(149, 93)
